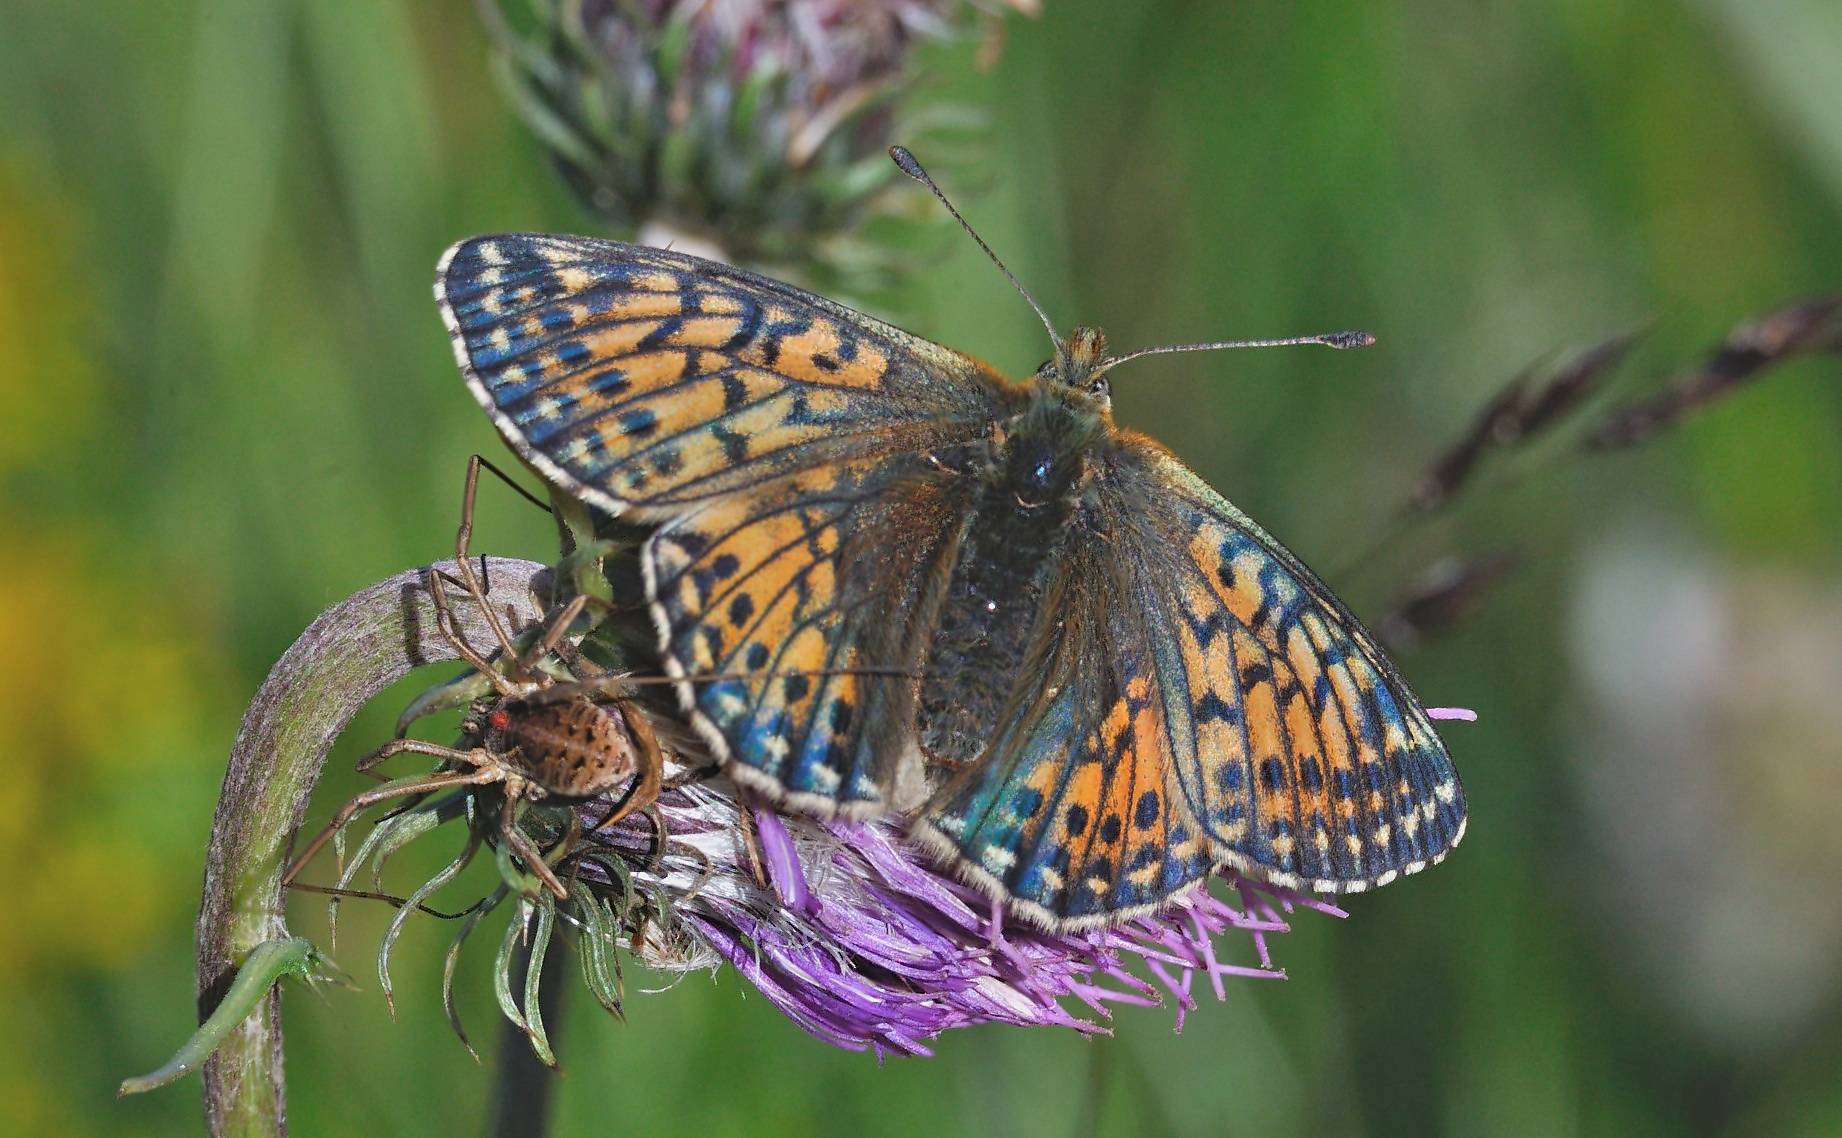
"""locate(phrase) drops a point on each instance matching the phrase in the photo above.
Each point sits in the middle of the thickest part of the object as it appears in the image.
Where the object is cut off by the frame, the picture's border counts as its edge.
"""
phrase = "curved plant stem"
(353, 651)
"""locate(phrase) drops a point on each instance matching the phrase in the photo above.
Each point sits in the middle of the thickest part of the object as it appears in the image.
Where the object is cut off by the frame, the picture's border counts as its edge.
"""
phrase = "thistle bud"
(756, 126)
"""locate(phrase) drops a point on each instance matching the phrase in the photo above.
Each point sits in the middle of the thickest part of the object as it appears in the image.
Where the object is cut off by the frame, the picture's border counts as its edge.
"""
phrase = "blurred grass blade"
(1748, 351)
(1448, 475)
(1518, 413)
(1572, 385)
(1443, 597)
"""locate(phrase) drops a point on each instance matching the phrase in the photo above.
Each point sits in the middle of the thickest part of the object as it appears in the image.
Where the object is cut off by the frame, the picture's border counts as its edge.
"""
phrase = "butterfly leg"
(469, 579)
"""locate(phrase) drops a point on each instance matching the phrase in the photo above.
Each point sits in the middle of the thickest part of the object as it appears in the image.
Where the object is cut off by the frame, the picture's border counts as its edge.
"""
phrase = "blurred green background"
(226, 401)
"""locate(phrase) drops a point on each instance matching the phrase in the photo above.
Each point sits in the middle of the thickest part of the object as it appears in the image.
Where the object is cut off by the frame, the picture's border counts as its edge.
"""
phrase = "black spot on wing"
(1145, 814)
(741, 608)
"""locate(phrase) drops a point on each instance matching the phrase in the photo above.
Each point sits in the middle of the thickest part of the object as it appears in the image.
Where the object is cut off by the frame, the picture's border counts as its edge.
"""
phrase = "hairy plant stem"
(350, 653)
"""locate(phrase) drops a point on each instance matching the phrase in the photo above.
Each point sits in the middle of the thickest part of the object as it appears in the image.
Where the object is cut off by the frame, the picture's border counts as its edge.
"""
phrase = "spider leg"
(575, 661)
(450, 630)
(383, 794)
(751, 846)
(418, 747)
(659, 835)
(553, 635)
(471, 579)
(613, 683)
(521, 845)
(643, 789)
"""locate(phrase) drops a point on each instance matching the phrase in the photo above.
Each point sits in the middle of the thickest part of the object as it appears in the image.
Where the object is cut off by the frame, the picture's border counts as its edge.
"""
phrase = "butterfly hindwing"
(1310, 759)
(1209, 701)
(647, 380)
(818, 585)
(1077, 812)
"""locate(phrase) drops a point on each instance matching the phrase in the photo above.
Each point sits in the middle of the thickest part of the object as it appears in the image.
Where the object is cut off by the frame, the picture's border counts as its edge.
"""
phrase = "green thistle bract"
(758, 126)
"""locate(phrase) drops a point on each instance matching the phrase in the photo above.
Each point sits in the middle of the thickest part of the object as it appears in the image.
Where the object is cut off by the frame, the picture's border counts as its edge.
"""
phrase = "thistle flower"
(853, 934)
(757, 125)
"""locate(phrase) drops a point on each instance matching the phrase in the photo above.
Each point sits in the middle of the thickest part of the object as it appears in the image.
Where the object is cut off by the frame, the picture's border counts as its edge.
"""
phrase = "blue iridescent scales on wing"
(915, 586)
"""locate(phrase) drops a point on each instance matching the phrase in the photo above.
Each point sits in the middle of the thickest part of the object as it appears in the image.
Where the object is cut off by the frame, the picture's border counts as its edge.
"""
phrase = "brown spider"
(537, 738)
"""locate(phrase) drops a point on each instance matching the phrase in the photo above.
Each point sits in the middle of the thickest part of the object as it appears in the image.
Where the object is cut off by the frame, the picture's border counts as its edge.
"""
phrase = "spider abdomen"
(572, 750)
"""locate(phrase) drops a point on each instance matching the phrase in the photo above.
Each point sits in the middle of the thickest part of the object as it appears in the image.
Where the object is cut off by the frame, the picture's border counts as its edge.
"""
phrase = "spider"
(536, 737)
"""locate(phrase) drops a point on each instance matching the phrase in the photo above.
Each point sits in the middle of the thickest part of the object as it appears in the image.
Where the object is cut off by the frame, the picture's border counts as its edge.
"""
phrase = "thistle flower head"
(855, 935)
(757, 125)
(849, 929)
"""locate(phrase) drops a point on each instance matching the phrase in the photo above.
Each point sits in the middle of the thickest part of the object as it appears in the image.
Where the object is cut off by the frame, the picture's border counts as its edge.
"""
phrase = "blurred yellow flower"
(106, 719)
(47, 384)
(107, 733)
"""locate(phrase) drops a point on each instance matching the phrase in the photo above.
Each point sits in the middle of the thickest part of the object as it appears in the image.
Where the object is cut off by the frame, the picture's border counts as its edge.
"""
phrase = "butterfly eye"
(1098, 387)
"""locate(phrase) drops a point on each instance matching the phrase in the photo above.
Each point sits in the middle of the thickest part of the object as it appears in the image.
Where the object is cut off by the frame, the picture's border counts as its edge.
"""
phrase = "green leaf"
(267, 963)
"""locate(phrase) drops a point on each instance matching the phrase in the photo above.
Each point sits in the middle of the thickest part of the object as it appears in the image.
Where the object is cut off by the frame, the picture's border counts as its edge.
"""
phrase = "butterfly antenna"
(1351, 339)
(907, 164)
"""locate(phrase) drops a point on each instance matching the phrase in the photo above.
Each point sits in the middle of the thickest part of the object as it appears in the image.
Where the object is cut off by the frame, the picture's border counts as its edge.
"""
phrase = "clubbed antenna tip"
(1351, 339)
(907, 164)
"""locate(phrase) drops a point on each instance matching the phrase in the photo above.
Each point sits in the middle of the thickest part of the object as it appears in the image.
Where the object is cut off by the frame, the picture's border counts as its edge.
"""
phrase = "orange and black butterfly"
(1088, 677)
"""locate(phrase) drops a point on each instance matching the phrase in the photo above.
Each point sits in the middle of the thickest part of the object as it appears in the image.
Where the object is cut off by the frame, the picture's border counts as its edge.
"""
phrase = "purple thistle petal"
(1463, 713)
(865, 944)
(782, 863)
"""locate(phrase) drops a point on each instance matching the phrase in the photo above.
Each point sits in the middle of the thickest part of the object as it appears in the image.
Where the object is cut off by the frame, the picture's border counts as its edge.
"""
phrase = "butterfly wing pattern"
(1077, 812)
(1232, 711)
(1183, 693)
(813, 585)
(647, 381)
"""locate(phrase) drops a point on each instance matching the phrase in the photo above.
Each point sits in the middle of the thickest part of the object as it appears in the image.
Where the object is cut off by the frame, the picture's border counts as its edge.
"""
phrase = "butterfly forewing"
(647, 380)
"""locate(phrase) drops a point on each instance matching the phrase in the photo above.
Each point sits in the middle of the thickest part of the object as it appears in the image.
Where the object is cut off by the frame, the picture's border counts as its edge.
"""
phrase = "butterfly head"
(1041, 455)
(1080, 362)
(1079, 366)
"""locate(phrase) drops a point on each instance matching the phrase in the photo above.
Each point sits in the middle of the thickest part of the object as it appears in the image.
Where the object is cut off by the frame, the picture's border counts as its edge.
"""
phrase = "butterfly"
(914, 585)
